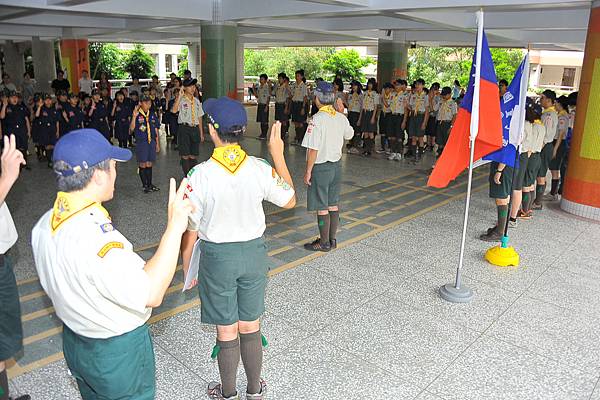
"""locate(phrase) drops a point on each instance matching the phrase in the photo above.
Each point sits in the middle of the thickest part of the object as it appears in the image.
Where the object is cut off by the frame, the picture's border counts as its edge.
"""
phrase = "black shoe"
(317, 246)
(24, 397)
(491, 236)
(263, 137)
(333, 243)
(147, 189)
(154, 188)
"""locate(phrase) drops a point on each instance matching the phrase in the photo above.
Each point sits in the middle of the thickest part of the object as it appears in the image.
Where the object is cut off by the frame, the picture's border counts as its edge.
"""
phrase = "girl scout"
(446, 115)
(434, 99)
(368, 116)
(282, 102)
(299, 99)
(354, 103)
(98, 115)
(418, 107)
(73, 114)
(15, 121)
(121, 114)
(102, 291)
(533, 141)
(46, 120)
(227, 191)
(145, 127)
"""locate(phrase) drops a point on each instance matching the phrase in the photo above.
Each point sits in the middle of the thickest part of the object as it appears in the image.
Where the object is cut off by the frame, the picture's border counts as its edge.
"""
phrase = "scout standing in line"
(98, 115)
(418, 108)
(102, 291)
(434, 99)
(73, 114)
(263, 98)
(190, 129)
(299, 99)
(15, 121)
(338, 91)
(145, 127)
(385, 118)
(368, 117)
(533, 142)
(46, 120)
(121, 114)
(11, 333)
(446, 115)
(282, 103)
(550, 120)
(173, 116)
(354, 101)
(324, 141)
(501, 177)
(62, 99)
(227, 191)
(559, 149)
(397, 108)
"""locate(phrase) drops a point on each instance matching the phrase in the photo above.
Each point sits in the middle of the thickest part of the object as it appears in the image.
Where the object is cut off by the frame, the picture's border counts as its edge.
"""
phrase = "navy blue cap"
(225, 113)
(324, 87)
(84, 148)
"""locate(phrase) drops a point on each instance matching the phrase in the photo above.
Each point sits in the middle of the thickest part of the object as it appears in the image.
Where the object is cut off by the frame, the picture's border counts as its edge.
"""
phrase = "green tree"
(106, 57)
(138, 63)
(347, 63)
(286, 59)
(506, 62)
(182, 60)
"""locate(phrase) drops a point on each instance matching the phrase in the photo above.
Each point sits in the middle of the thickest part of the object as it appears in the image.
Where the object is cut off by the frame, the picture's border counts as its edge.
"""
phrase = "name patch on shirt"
(108, 227)
(108, 247)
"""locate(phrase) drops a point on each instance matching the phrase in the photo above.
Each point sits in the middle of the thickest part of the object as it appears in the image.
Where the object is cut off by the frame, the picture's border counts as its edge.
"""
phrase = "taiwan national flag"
(455, 157)
(512, 106)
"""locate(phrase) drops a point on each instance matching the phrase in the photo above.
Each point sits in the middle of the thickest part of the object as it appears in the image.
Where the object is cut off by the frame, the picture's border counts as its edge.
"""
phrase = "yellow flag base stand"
(503, 255)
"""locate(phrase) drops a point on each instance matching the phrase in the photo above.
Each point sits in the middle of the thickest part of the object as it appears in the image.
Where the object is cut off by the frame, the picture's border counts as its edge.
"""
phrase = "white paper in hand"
(194, 265)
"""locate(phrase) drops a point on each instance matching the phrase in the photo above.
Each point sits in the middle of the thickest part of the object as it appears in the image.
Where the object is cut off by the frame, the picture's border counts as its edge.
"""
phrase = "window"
(168, 63)
(568, 78)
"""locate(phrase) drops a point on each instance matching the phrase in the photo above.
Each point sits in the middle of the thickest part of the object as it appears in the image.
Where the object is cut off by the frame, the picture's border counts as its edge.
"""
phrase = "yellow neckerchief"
(193, 103)
(147, 120)
(539, 122)
(67, 205)
(328, 109)
(563, 112)
(230, 157)
(369, 101)
(550, 109)
(444, 108)
(418, 101)
(355, 98)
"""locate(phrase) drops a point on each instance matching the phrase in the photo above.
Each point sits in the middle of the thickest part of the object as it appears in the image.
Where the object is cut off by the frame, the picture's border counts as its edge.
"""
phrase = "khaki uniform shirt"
(263, 92)
(282, 93)
(354, 102)
(370, 100)
(299, 91)
(447, 109)
(398, 103)
(418, 102)
(190, 112)
(386, 99)
(326, 133)
(550, 121)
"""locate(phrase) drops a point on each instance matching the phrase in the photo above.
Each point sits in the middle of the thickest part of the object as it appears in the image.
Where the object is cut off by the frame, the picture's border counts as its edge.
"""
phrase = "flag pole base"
(503, 255)
(450, 293)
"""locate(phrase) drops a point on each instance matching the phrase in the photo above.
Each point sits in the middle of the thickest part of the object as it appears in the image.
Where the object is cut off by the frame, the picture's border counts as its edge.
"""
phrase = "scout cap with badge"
(226, 115)
(189, 82)
(144, 97)
(84, 148)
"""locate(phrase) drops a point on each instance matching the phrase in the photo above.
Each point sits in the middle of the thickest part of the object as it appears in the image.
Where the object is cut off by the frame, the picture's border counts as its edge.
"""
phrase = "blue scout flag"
(512, 106)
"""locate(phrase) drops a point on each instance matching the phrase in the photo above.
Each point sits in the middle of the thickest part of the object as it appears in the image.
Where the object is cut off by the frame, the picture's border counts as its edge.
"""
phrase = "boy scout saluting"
(324, 141)
(101, 289)
(190, 131)
(263, 98)
(227, 191)
(11, 334)
(144, 126)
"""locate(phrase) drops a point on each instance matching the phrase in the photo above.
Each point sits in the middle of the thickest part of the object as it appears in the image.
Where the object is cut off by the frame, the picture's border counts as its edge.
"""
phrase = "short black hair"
(154, 76)
(358, 86)
(435, 86)
(456, 82)
(503, 82)
(281, 75)
(264, 76)
(564, 102)
(234, 134)
(300, 71)
(421, 81)
(551, 94)
(402, 82)
(573, 99)
(446, 90)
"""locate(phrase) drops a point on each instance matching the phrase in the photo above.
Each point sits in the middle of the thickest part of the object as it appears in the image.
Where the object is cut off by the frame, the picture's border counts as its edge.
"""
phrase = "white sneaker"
(392, 157)
(398, 157)
(512, 224)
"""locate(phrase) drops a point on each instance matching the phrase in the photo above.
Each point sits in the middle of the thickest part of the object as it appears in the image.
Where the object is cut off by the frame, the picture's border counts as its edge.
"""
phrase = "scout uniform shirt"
(227, 191)
(563, 125)
(354, 102)
(299, 91)
(74, 117)
(190, 111)
(370, 100)
(417, 103)
(8, 231)
(263, 92)
(146, 126)
(386, 98)
(533, 137)
(282, 93)
(326, 133)
(15, 120)
(447, 109)
(434, 105)
(550, 121)
(398, 102)
(89, 270)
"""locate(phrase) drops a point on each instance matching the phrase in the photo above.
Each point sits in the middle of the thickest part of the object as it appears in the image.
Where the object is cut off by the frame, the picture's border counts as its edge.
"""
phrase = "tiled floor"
(365, 321)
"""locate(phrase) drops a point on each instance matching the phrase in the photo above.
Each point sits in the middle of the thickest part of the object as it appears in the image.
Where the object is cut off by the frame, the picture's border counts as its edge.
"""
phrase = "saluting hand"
(136, 111)
(11, 160)
(179, 208)
(276, 144)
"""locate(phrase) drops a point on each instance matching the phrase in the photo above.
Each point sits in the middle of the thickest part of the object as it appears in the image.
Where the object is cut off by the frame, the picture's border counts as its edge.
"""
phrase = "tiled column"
(392, 59)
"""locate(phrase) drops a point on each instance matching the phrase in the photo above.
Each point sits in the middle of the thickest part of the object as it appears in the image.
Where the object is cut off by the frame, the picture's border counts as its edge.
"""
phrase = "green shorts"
(324, 190)
(232, 279)
(545, 158)
(120, 367)
(504, 189)
(533, 165)
(11, 331)
(414, 125)
(188, 140)
(561, 153)
(520, 176)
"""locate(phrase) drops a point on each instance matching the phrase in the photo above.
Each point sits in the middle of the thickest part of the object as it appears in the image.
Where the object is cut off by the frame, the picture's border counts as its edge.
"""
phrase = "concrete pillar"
(392, 59)
(194, 62)
(581, 194)
(240, 69)
(44, 64)
(162, 65)
(74, 55)
(218, 60)
(14, 62)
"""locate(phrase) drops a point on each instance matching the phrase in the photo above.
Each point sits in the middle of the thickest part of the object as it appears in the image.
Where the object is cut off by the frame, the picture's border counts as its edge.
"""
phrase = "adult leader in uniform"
(227, 192)
(102, 291)
(324, 140)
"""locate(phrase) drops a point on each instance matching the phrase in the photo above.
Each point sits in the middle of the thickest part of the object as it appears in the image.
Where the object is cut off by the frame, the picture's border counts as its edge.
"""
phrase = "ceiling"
(540, 24)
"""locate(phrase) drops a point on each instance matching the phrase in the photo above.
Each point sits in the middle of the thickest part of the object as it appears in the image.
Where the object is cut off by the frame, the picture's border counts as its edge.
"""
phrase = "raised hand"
(179, 208)
(11, 160)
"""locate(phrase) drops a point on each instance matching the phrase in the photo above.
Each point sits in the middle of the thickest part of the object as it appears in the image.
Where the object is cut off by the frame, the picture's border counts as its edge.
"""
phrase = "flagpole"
(459, 293)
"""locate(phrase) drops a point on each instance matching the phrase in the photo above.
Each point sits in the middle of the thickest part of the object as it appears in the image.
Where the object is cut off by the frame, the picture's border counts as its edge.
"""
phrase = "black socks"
(142, 173)
(3, 385)
(554, 187)
(502, 217)
(252, 358)
(323, 222)
(334, 221)
(539, 193)
(228, 359)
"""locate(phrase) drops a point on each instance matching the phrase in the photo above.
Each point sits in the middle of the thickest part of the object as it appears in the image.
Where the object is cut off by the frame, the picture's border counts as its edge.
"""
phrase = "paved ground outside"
(364, 320)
